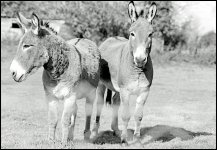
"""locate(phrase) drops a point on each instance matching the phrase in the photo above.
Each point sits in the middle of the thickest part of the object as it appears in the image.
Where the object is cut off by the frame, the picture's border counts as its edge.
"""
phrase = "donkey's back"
(111, 51)
(89, 57)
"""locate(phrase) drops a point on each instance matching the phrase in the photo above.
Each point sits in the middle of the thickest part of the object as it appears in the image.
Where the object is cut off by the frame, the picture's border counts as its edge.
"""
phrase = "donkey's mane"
(46, 24)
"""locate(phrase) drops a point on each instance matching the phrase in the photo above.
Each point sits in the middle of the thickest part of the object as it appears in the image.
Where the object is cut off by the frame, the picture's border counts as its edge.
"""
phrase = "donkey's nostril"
(140, 60)
(137, 59)
(13, 73)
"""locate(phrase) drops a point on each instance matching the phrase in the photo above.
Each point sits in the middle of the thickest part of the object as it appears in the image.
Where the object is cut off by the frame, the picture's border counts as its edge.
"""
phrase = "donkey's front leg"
(90, 98)
(68, 119)
(52, 116)
(115, 108)
(138, 114)
(125, 96)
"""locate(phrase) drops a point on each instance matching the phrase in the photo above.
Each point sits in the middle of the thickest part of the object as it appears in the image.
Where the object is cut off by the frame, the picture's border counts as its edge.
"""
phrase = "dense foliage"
(98, 20)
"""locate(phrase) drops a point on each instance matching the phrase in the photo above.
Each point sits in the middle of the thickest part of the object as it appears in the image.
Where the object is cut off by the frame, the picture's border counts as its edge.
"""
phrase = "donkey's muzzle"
(17, 78)
(140, 62)
(17, 71)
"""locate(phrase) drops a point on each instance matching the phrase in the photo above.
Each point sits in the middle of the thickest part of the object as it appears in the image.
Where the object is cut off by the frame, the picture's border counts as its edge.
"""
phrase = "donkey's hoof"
(124, 142)
(117, 133)
(87, 135)
(64, 144)
(94, 131)
(136, 137)
(67, 143)
(93, 134)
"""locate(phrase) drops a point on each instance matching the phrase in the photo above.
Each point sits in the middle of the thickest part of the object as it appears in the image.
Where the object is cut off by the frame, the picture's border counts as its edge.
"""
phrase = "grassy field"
(180, 111)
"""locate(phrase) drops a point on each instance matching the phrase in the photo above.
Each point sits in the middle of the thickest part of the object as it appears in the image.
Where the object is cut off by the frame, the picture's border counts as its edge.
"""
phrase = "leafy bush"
(99, 20)
(207, 40)
(95, 20)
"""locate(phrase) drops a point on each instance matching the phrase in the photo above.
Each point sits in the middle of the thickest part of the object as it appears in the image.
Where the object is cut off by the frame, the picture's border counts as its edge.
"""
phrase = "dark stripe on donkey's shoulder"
(77, 41)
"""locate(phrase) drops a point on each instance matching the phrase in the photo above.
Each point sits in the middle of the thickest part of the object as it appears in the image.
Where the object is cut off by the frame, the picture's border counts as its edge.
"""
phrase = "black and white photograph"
(108, 74)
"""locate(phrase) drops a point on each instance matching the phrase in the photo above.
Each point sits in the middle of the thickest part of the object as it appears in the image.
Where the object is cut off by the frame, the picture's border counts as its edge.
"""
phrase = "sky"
(203, 14)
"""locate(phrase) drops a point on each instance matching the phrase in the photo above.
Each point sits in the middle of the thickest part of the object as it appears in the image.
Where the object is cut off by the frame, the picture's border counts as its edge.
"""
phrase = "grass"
(180, 111)
(207, 58)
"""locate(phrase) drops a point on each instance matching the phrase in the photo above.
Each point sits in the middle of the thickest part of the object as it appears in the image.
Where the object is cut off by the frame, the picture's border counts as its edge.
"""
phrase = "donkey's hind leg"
(88, 110)
(100, 102)
(115, 108)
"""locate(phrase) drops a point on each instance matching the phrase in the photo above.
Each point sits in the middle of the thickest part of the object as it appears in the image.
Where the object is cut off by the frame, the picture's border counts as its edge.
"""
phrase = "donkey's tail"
(109, 97)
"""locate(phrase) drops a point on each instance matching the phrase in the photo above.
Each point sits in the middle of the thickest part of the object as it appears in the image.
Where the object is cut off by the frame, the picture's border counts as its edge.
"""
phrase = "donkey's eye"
(150, 34)
(132, 34)
(27, 46)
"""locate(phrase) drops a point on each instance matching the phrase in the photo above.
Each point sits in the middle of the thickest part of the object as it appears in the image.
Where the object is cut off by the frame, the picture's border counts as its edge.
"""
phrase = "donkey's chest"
(135, 84)
(134, 79)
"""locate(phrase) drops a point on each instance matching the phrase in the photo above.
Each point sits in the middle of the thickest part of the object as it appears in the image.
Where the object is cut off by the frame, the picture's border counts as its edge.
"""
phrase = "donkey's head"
(141, 33)
(31, 54)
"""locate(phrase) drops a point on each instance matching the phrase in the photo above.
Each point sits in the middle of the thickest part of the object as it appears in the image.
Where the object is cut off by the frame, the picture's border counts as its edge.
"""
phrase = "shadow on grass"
(162, 133)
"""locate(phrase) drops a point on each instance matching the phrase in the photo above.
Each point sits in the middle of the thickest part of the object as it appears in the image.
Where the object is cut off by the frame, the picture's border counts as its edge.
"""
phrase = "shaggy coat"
(71, 72)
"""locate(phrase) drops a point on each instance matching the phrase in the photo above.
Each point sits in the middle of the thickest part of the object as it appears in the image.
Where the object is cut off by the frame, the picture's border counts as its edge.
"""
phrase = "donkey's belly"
(83, 89)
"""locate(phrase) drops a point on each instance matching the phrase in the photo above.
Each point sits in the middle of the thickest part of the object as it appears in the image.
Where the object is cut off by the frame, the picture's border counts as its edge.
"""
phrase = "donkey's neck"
(58, 52)
(130, 59)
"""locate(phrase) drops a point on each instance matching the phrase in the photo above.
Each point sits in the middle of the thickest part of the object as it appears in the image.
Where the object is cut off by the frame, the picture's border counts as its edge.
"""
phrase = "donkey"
(127, 70)
(71, 72)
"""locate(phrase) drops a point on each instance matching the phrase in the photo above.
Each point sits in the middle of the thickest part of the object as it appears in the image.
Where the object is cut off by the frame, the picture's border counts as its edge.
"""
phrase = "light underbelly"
(81, 90)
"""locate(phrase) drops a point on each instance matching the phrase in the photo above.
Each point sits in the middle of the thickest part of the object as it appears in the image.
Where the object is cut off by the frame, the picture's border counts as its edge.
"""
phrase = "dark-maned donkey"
(127, 70)
(71, 72)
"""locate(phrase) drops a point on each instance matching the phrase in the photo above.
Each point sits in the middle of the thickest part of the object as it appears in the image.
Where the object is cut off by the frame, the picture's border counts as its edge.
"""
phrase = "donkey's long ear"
(152, 12)
(35, 23)
(25, 23)
(132, 12)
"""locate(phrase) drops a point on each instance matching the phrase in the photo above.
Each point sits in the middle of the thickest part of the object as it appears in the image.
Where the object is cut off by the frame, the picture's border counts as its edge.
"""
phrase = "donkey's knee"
(66, 120)
(138, 115)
